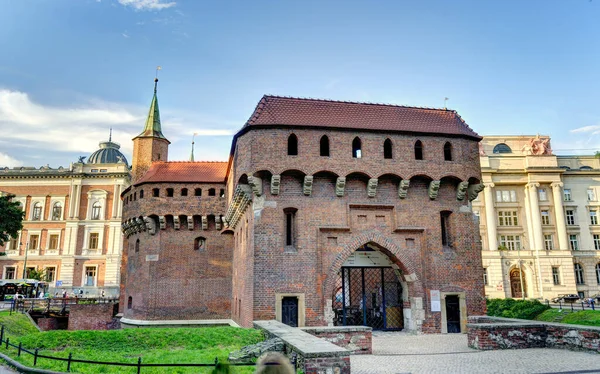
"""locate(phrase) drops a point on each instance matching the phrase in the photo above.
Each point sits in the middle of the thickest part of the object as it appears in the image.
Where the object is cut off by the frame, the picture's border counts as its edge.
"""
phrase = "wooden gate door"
(453, 314)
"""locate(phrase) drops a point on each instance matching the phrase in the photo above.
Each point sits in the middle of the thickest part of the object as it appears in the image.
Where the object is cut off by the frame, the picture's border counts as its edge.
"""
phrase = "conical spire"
(153, 128)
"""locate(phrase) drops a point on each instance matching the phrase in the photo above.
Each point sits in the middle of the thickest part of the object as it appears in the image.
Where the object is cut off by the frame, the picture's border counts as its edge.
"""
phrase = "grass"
(153, 345)
(582, 317)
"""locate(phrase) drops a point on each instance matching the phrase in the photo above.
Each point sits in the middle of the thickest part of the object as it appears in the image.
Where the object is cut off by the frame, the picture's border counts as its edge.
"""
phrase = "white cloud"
(125, 35)
(147, 4)
(594, 129)
(6, 160)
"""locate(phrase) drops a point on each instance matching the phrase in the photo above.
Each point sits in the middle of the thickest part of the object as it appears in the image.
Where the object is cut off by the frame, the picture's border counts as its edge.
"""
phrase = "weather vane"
(445, 101)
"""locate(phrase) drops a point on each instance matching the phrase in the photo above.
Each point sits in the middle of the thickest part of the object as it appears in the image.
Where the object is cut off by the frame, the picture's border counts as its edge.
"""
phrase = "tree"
(11, 218)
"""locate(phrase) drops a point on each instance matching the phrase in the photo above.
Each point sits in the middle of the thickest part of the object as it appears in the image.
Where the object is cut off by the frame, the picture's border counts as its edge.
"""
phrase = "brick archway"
(387, 246)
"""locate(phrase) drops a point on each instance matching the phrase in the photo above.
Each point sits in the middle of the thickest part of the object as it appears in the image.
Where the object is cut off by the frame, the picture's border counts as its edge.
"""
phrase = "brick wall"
(47, 324)
(358, 340)
(91, 316)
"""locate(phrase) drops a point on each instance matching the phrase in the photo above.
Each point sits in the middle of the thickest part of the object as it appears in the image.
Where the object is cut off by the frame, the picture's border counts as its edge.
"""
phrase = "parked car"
(566, 298)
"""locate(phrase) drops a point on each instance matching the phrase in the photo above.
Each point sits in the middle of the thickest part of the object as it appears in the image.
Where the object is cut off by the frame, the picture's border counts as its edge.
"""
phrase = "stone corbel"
(372, 187)
(150, 225)
(190, 222)
(475, 189)
(163, 222)
(403, 188)
(340, 185)
(461, 191)
(275, 182)
(434, 188)
(218, 222)
(141, 226)
(308, 183)
(176, 222)
(256, 184)
(204, 223)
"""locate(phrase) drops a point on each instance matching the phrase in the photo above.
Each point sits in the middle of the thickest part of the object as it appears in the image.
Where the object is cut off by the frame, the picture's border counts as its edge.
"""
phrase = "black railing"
(70, 360)
(584, 304)
(56, 305)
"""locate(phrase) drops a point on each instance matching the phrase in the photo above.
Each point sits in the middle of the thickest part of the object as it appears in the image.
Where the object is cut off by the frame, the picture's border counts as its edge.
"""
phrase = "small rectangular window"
(290, 227)
(510, 242)
(93, 241)
(485, 276)
(593, 217)
(555, 275)
(545, 217)
(50, 274)
(169, 192)
(445, 227)
(597, 242)
(10, 272)
(573, 242)
(155, 192)
(211, 192)
(198, 192)
(570, 215)
(591, 195)
(34, 242)
(90, 276)
(53, 242)
(548, 242)
(508, 218)
(543, 196)
(567, 194)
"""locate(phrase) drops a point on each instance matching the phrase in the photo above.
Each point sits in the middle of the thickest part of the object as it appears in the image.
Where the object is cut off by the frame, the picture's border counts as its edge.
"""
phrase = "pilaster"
(490, 217)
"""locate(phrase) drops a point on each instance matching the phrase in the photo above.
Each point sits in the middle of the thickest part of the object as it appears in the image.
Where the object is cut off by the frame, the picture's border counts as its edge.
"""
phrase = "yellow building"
(538, 219)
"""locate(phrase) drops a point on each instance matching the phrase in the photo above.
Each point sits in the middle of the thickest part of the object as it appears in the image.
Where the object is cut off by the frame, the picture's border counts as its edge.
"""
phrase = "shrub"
(511, 308)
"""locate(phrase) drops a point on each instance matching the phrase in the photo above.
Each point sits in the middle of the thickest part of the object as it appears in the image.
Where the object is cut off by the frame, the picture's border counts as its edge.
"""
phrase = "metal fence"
(5, 343)
(581, 305)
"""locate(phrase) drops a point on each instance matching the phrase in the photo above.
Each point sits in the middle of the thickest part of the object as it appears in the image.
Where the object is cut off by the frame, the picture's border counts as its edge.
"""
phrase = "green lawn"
(582, 317)
(153, 345)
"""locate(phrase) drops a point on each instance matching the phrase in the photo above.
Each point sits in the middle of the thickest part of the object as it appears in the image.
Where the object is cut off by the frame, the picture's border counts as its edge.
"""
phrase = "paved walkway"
(399, 353)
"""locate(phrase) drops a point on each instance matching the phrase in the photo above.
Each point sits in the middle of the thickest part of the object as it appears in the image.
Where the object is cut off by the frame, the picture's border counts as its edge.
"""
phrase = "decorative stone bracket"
(275, 184)
(308, 183)
(461, 190)
(340, 185)
(256, 184)
(434, 188)
(163, 222)
(176, 222)
(218, 222)
(372, 187)
(239, 203)
(190, 222)
(150, 225)
(403, 188)
(204, 223)
(474, 190)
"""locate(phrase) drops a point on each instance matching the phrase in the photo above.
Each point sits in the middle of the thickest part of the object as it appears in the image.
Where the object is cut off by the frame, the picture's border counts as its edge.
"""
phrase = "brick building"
(327, 212)
(71, 228)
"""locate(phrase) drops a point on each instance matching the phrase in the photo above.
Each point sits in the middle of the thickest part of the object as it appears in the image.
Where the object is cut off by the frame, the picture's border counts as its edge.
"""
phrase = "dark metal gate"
(368, 296)
(452, 314)
(289, 311)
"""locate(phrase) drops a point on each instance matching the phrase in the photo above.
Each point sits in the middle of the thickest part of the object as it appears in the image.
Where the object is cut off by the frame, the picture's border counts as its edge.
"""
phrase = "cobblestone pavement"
(399, 353)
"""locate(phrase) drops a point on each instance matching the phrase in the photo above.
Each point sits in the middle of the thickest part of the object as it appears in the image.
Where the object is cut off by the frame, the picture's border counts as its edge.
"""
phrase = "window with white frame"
(593, 217)
(567, 194)
(57, 211)
(591, 194)
(506, 196)
(13, 243)
(96, 208)
(548, 242)
(53, 240)
(90, 276)
(570, 216)
(10, 272)
(579, 274)
(50, 273)
(508, 218)
(574, 242)
(598, 273)
(556, 275)
(596, 242)
(96, 204)
(93, 240)
(545, 217)
(542, 194)
(485, 276)
(36, 211)
(34, 241)
(510, 242)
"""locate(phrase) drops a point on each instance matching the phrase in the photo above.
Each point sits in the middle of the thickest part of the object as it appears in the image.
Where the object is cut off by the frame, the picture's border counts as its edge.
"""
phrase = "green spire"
(152, 128)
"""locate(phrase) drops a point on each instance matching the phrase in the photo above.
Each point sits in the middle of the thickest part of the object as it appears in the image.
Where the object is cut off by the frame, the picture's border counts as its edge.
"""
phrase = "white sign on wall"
(151, 257)
(436, 305)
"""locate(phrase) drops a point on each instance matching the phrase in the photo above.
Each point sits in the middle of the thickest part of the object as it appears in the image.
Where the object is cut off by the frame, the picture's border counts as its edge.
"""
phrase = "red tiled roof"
(185, 171)
(277, 110)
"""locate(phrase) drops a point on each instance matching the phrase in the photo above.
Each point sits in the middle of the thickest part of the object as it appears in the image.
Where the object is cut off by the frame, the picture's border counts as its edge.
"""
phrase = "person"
(274, 363)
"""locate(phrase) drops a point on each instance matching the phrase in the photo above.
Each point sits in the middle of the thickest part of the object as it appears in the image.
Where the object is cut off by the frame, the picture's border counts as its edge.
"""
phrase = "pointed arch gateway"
(370, 284)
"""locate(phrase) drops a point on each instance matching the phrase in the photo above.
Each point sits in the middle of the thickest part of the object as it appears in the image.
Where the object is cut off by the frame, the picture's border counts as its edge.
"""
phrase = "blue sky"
(70, 69)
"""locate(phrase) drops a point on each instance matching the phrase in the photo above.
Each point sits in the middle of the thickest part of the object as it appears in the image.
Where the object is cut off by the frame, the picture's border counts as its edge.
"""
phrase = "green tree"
(11, 218)
(38, 274)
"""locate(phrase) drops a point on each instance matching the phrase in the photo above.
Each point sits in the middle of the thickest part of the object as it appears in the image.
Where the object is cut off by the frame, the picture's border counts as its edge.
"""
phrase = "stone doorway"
(518, 286)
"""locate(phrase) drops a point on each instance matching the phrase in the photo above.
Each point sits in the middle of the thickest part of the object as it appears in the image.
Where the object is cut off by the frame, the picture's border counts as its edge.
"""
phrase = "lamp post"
(25, 262)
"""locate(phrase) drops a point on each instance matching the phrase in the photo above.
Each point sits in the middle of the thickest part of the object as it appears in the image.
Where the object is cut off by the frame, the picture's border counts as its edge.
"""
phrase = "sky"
(72, 69)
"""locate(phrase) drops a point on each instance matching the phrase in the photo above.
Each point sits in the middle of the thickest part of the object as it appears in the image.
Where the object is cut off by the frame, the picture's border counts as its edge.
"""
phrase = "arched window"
(356, 148)
(141, 194)
(292, 145)
(56, 211)
(200, 244)
(155, 192)
(212, 192)
(96, 210)
(184, 191)
(598, 273)
(418, 150)
(37, 212)
(447, 151)
(129, 302)
(169, 192)
(324, 146)
(387, 149)
(137, 245)
(579, 274)
(198, 192)
(502, 148)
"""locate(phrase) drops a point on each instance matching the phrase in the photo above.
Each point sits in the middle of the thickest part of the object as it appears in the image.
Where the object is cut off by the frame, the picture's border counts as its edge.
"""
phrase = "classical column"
(561, 228)
(536, 220)
(490, 217)
(528, 218)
